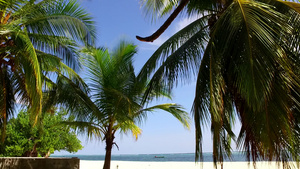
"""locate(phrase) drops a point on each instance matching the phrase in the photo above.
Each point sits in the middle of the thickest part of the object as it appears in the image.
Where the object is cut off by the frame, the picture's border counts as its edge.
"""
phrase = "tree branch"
(167, 23)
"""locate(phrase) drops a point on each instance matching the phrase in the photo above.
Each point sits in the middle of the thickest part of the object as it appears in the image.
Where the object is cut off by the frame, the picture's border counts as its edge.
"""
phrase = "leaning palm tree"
(117, 97)
(245, 54)
(37, 37)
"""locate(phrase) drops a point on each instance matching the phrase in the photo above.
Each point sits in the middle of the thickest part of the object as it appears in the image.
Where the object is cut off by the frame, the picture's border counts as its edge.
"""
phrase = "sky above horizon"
(162, 133)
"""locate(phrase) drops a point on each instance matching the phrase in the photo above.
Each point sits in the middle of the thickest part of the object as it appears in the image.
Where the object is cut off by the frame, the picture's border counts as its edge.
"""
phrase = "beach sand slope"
(85, 164)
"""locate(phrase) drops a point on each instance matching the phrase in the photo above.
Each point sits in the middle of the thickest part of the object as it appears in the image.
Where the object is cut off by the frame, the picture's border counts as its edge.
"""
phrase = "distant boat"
(159, 157)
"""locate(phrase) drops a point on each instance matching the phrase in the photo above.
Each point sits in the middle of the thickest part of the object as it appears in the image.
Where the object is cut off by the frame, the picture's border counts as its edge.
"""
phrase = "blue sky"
(162, 133)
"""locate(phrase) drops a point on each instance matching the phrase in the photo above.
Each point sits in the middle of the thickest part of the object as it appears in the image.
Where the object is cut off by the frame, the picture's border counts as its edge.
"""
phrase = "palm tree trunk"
(109, 139)
(109, 144)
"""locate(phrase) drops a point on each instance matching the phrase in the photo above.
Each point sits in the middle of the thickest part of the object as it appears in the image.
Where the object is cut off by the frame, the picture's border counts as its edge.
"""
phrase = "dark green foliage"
(48, 136)
(38, 37)
(245, 54)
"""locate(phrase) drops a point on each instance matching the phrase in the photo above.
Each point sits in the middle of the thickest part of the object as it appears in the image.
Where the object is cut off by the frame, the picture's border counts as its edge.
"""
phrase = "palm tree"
(245, 54)
(37, 38)
(117, 97)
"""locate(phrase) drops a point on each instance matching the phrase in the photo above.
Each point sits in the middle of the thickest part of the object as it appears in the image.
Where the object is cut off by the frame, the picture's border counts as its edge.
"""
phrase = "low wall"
(38, 163)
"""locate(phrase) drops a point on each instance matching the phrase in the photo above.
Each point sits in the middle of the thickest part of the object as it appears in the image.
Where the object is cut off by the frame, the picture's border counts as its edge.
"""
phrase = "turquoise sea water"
(183, 157)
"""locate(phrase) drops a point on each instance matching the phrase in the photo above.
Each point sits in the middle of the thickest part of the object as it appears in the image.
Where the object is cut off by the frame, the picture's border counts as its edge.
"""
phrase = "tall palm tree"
(117, 97)
(37, 37)
(245, 54)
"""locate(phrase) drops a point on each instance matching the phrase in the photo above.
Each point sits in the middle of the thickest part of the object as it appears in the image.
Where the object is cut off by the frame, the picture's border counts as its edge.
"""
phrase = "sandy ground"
(84, 164)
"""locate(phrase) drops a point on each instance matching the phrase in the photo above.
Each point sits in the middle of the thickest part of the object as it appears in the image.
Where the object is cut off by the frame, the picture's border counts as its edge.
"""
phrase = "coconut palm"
(37, 37)
(117, 97)
(245, 54)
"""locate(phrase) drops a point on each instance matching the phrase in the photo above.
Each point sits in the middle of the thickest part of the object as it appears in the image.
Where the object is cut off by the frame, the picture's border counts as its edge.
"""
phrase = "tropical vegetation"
(245, 55)
(38, 43)
(117, 94)
(23, 138)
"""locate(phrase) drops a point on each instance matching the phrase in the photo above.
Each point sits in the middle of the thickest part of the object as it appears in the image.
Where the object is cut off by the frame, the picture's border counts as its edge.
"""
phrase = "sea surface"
(183, 157)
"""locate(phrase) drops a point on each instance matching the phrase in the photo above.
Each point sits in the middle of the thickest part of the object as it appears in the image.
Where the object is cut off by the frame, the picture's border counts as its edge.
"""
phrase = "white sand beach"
(84, 164)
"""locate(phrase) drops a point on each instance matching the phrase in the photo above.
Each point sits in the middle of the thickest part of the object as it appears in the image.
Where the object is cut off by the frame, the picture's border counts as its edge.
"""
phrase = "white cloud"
(159, 41)
(155, 44)
(184, 22)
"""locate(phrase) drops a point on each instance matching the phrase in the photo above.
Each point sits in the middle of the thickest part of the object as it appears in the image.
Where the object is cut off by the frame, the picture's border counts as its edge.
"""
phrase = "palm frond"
(129, 126)
(172, 44)
(11, 4)
(247, 65)
(32, 75)
(158, 8)
(293, 5)
(93, 130)
(172, 108)
(62, 19)
(74, 96)
(249, 71)
(62, 47)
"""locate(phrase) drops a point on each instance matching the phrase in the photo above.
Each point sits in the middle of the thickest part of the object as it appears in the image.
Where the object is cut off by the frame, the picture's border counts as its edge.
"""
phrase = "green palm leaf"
(35, 37)
(93, 130)
(116, 96)
(175, 109)
(247, 61)
(158, 8)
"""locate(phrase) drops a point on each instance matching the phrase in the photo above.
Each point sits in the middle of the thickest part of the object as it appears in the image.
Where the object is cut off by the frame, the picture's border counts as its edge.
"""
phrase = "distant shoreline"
(176, 157)
(56, 155)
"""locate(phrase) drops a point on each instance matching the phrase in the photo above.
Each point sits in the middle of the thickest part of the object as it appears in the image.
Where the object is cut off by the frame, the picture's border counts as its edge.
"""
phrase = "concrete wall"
(38, 163)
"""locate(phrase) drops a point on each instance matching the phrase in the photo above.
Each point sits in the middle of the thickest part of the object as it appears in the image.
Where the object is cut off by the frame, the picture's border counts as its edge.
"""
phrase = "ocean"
(183, 157)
